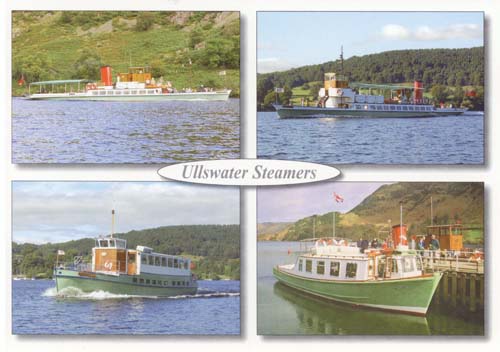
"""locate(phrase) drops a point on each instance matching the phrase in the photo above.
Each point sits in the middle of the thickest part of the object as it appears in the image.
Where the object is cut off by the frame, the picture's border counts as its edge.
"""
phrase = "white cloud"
(272, 64)
(427, 33)
(61, 211)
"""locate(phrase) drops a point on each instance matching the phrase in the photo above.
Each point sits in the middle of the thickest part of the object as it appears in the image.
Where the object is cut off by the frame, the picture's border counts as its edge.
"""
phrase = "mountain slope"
(451, 202)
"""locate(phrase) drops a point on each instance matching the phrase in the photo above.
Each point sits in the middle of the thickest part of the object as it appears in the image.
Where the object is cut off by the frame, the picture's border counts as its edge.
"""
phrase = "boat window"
(334, 268)
(405, 108)
(399, 108)
(142, 92)
(165, 283)
(103, 243)
(408, 265)
(173, 283)
(102, 92)
(144, 259)
(394, 266)
(110, 92)
(300, 264)
(151, 260)
(154, 282)
(176, 263)
(379, 107)
(309, 266)
(393, 108)
(320, 267)
(157, 261)
(133, 92)
(410, 108)
(125, 92)
(163, 261)
(147, 281)
(170, 262)
(112, 243)
(141, 281)
(95, 93)
(118, 92)
(186, 264)
(386, 107)
(134, 279)
(351, 269)
(372, 107)
(181, 263)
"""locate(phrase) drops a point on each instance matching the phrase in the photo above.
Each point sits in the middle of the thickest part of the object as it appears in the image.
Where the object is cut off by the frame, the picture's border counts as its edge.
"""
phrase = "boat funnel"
(418, 86)
(106, 78)
(399, 235)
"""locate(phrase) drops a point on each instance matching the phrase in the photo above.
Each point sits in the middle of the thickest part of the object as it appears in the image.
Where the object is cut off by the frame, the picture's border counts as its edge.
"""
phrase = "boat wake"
(75, 293)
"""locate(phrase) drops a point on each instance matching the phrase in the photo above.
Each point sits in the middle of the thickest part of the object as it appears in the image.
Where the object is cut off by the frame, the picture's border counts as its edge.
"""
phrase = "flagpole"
(401, 223)
(333, 229)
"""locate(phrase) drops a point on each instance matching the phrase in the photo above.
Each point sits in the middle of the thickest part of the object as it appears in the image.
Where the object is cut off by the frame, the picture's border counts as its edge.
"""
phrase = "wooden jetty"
(462, 284)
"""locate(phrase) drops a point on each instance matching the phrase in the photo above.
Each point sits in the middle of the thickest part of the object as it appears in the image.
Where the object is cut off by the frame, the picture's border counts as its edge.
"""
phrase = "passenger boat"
(139, 272)
(390, 279)
(340, 98)
(136, 85)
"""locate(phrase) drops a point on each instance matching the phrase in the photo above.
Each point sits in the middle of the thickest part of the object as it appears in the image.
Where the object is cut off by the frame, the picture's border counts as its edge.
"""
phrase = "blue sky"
(292, 39)
(62, 211)
(291, 203)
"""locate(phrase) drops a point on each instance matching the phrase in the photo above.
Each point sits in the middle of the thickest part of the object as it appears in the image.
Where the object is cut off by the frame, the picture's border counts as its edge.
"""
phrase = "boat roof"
(381, 86)
(61, 81)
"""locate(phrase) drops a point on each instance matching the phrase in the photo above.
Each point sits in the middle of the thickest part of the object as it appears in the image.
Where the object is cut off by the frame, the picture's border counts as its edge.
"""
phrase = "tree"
(195, 37)
(439, 93)
(87, 65)
(145, 21)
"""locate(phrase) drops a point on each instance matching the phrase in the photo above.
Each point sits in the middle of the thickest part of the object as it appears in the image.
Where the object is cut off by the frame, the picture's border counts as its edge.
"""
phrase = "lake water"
(124, 132)
(36, 309)
(437, 140)
(285, 311)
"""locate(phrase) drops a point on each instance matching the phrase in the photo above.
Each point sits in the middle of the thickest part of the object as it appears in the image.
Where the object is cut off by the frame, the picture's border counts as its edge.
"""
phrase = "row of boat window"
(393, 107)
(125, 92)
(159, 282)
(352, 268)
(170, 262)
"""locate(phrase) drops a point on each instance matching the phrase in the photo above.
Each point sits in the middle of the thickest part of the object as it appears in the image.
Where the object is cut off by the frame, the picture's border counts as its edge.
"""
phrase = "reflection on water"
(439, 140)
(282, 310)
(317, 316)
(124, 132)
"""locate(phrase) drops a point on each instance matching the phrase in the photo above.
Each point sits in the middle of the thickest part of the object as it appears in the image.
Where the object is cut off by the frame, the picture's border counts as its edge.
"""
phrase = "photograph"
(394, 88)
(125, 86)
(371, 258)
(125, 258)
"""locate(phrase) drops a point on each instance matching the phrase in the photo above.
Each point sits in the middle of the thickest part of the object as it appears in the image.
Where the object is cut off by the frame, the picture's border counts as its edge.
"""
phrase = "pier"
(462, 284)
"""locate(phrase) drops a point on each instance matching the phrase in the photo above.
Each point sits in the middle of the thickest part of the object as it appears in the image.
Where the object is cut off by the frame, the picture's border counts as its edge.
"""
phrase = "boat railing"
(447, 260)
(109, 266)
(75, 266)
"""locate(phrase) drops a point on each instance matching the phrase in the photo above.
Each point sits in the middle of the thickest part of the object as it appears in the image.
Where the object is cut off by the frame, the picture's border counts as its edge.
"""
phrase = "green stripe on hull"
(322, 112)
(123, 284)
(408, 295)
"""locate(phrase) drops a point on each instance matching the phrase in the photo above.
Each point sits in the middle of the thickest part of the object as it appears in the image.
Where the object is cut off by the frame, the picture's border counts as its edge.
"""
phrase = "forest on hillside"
(447, 74)
(215, 250)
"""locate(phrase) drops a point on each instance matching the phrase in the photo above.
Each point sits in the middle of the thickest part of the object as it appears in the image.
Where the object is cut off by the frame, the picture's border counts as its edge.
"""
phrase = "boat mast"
(400, 223)
(342, 60)
(112, 222)
(432, 214)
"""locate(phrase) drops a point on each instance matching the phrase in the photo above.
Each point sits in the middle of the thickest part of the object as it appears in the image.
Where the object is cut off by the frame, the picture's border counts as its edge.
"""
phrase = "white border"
(249, 341)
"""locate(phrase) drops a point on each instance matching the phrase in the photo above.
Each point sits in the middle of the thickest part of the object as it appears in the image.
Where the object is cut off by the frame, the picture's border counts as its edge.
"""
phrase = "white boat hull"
(193, 96)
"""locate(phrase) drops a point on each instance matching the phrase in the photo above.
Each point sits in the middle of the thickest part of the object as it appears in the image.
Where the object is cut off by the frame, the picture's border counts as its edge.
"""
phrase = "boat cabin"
(450, 237)
(141, 74)
(111, 256)
(351, 265)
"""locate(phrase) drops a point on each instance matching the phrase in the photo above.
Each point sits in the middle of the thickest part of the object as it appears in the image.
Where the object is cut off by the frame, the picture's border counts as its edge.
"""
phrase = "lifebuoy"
(339, 91)
(108, 265)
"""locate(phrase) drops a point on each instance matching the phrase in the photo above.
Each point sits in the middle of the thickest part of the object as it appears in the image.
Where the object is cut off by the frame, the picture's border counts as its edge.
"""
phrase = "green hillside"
(50, 45)
(215, 249)
(451, 202)
(451, 71)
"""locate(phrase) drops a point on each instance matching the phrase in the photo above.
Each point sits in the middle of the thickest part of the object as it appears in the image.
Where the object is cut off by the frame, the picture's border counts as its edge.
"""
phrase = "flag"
(60, 252)
(338, 198)
(222, 73)
(21, 81)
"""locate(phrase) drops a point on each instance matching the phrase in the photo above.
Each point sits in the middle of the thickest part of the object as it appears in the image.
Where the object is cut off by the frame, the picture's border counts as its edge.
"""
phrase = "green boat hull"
(312, 112)
(124, 284)
(409, 296)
